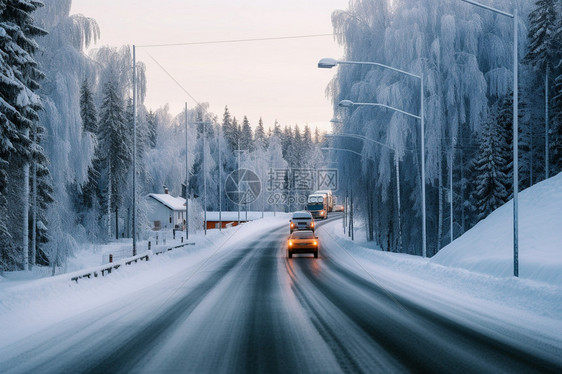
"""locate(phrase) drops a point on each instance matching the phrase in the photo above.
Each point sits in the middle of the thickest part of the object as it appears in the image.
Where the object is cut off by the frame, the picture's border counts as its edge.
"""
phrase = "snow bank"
(525, 305)
(28, 305)
(487, 248)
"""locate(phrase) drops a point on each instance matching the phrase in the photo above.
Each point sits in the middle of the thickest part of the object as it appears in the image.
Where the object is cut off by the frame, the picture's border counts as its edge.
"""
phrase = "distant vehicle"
(302, 242)
(302, 220)
(317, 205)
(338, 208)
(329, 197)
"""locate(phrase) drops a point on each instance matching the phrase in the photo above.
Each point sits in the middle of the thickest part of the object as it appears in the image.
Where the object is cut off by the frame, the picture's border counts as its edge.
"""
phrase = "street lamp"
(134, 152)
(351, 227)
(328, 63)
(397, 169)
(349, 104)
(186, 180)
(515, 131)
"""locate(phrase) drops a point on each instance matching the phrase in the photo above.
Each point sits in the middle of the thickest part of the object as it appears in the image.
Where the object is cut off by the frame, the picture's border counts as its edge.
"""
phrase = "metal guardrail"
(106, 269)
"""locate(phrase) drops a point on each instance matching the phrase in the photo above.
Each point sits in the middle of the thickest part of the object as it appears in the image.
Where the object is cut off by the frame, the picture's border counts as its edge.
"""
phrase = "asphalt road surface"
(251, 309)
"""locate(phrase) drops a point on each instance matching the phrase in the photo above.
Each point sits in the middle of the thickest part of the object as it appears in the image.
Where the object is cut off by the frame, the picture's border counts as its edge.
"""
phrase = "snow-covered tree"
(68, 148)
(259, 136)
(115, 143)
(556, 130)
(466, 61)
(246, 136)
(230, 129)
(88, 112)
(19, 107)
(89, 117)
(152, 125)
(491, 180)
(541, 53)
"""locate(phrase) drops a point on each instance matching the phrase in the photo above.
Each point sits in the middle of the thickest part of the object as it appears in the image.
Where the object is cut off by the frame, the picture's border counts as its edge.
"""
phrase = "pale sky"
(272, 79)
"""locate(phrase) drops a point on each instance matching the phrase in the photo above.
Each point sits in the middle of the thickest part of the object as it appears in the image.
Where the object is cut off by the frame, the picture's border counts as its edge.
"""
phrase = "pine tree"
(19, 105)
(88, 114)
(316, 135)
(307, 137)
(503, 110)
(152, 124)
(542, 50)
(490, 165)
(230, 130)
(260, 137)
(235, 134)
(88, 109)
(556, 129)
(286, 139)
(277, 129)
(43, 197)
(246, 141)
(542, 28)
(295, 151)
(115, 142)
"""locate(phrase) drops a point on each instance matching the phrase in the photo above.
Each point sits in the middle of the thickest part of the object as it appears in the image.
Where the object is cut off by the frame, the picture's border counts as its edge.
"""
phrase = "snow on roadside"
(487, 248)
(27, 306)
(473, 275)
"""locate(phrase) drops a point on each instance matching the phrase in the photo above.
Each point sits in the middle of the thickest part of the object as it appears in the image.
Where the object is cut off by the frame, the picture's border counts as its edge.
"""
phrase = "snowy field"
(473, 274)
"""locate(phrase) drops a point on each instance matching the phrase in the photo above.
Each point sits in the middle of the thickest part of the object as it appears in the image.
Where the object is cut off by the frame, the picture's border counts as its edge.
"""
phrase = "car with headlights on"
(301, 220)
(302, 242)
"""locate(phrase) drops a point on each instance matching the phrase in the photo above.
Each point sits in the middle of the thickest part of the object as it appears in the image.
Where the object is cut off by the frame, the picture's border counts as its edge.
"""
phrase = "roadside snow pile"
(488, 247)
(18, 290)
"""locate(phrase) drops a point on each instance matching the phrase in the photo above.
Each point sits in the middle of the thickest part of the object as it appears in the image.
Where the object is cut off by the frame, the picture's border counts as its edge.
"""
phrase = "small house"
(166, 211)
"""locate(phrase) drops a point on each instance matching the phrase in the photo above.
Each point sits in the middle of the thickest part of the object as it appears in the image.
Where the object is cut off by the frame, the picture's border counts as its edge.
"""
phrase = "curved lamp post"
(328, 63)
(349, 104)
(397, 169)
(514, 16)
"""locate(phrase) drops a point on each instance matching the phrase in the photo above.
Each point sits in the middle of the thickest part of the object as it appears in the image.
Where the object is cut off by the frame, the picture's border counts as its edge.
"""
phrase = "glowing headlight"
(315, 242)
(290, 242)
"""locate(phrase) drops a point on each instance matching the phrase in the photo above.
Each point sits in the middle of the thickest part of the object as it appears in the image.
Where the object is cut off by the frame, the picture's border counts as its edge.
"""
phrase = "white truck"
(317, 205)
(329, 198)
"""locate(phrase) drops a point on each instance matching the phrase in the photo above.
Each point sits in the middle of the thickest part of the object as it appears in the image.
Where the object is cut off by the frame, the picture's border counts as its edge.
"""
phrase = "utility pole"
(205, 172)
(220, 179)
(134, 152)
(238, 184)
(186, 181)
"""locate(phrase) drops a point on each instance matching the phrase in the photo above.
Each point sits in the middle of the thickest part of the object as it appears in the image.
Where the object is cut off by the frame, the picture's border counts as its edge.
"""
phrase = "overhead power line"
(235, 40)
(174, 79)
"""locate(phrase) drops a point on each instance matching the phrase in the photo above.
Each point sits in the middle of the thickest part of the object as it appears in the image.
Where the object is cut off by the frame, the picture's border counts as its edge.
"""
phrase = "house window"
(170, 218)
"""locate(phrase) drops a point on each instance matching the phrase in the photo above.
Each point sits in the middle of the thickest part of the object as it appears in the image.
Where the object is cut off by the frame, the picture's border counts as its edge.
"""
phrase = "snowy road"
(248, 308)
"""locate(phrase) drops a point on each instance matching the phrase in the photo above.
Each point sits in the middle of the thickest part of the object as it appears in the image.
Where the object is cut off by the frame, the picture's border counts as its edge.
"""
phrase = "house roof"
(233, 216)
(173, 203)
